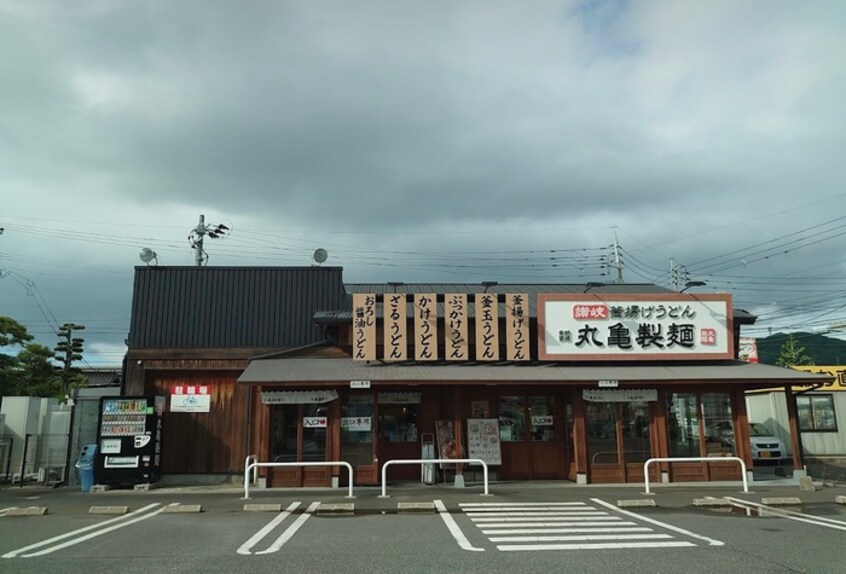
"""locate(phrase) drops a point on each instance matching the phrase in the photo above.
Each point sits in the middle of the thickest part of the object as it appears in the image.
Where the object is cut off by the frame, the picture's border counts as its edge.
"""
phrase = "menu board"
(483, 440)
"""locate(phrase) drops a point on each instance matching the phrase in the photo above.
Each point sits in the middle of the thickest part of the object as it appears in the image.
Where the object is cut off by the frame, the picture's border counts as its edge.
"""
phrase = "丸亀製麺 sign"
(635, 327)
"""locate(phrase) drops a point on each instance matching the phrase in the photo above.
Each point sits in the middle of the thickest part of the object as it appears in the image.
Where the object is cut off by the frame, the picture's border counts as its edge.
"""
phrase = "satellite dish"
(147, 255)
(320, 255)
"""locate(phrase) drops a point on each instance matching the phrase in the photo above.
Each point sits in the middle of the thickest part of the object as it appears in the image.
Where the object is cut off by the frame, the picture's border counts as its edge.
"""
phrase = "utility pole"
(199, 233)
(68, 350)
(618, 262)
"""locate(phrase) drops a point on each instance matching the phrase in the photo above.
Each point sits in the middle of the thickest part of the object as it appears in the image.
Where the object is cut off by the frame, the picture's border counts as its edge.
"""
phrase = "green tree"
(12, 334)
(25, 367)
(793, 354)
(37, 376)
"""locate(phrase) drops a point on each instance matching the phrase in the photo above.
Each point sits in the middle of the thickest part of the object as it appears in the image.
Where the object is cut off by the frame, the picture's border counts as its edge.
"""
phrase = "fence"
(6, 444)
(696, 459)
(44, 458)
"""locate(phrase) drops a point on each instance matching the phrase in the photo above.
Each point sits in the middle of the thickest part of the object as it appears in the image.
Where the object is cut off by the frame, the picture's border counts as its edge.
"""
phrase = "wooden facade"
(576, 440)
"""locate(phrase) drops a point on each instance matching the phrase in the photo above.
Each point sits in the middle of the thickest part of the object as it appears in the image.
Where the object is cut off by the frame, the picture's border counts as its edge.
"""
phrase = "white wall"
(771, 409)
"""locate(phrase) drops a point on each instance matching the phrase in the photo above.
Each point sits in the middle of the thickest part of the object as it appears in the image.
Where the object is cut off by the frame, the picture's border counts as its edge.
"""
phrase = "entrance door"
(298, 434)
(398, 439)
(531, 437)
(618, 441)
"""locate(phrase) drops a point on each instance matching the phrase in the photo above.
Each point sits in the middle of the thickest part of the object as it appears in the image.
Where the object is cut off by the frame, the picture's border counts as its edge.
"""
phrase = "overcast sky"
(423, 141)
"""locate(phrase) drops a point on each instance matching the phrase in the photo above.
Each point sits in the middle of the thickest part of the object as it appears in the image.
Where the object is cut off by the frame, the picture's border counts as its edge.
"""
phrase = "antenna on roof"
(320, 255)
(195, 238)
(149, 256)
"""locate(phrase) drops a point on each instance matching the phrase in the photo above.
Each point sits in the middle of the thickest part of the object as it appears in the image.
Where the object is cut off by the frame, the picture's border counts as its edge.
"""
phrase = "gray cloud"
(444, 126)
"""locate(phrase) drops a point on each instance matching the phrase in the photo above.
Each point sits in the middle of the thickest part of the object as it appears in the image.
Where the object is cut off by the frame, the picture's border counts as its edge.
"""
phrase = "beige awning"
(343, 370)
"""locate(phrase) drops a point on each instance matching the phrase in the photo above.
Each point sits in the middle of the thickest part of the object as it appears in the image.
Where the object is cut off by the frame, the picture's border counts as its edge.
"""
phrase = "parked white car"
(765, 445)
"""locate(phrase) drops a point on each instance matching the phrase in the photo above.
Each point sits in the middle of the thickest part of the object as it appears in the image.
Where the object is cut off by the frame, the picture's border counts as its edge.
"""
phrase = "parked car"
(765, 445)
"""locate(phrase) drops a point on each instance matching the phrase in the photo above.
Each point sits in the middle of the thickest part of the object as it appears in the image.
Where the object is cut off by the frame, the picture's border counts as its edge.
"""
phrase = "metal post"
(422, 461)
(252, 466)
(705, 459)
(23, 457)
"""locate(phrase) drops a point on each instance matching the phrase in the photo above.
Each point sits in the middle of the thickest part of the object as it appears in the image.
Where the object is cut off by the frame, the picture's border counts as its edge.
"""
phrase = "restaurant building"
(570, 382)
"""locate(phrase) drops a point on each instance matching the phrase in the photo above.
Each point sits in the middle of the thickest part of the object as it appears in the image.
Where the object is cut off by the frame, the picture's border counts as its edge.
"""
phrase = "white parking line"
(117, 523)
(710, 541)
(247, 546)
(454, 528)
(793, 515)
(613, 521)
(525, 509)
(291, 530)
(3, 511)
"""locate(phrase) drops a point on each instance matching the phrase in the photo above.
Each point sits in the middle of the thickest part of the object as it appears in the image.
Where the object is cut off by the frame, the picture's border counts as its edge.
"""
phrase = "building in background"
(820, 408)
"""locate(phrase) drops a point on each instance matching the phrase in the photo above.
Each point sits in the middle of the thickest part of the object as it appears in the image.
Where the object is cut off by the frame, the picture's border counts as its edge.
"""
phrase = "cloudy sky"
(423, 141)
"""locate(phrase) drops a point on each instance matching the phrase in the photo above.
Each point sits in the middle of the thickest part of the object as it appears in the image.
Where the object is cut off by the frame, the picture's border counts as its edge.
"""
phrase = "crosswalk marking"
(484, 515)
(516, 527)
(522, 504)
(564, 530)
(583, 537)
(596, 546)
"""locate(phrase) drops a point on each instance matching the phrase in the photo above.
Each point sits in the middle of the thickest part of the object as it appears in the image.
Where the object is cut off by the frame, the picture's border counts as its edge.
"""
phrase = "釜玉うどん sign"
(635, 327)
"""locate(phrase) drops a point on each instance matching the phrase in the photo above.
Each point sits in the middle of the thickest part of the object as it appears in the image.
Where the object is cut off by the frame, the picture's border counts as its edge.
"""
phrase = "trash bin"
(85, 466)
(427, 470)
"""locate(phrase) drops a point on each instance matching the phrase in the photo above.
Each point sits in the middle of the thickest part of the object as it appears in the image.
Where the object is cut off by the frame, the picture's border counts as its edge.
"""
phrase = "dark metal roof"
(231, 307)
(102, 377)
(303, 370)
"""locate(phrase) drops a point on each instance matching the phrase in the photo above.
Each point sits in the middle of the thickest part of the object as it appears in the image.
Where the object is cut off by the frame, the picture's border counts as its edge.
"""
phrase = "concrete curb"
(840, 499)
(415, 508)
(636, 502)
(28, 511)
(183, 509)
(340, 509)
(782, 501)
(108, 510)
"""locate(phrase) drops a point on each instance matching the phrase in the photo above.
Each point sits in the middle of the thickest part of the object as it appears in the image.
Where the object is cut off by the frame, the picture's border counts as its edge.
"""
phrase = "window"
(816, 413)
(512, 419)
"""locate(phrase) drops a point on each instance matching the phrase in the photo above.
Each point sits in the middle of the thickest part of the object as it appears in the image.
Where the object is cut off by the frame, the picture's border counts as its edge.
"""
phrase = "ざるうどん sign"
(605, 327)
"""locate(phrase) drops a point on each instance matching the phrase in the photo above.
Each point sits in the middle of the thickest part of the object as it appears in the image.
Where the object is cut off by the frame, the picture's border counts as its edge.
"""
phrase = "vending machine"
(130, 440)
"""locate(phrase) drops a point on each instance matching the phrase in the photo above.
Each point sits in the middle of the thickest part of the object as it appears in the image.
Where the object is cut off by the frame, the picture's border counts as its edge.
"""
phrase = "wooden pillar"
(742, 443)
(333, 437)
(793, 423)
(580, 438)
(658, 439)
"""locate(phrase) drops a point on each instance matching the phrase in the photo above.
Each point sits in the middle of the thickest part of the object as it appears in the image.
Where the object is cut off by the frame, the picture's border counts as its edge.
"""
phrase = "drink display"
(130, 438)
